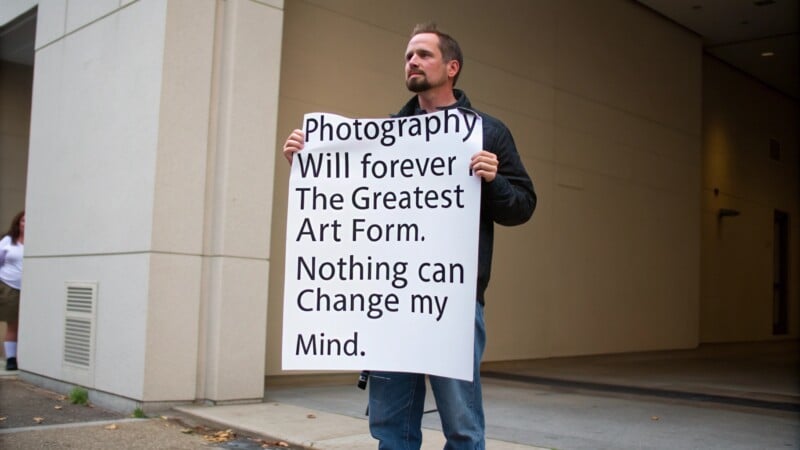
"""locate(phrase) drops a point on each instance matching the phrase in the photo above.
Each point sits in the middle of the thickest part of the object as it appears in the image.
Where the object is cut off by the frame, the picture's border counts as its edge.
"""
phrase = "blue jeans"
(397, 400)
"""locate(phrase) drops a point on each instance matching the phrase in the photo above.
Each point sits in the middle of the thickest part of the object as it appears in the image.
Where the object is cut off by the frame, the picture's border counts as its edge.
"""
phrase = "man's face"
(425, 67)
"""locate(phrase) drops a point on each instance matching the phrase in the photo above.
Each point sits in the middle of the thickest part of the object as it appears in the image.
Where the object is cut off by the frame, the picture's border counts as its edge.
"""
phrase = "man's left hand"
(484, 165)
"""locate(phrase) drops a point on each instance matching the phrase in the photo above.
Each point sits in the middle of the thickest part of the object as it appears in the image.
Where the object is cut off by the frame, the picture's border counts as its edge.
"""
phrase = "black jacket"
(508, 200)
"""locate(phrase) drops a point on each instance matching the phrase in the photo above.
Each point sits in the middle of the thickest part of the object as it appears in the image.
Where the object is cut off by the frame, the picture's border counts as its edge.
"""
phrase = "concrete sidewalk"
(34, 418)
(314, 429)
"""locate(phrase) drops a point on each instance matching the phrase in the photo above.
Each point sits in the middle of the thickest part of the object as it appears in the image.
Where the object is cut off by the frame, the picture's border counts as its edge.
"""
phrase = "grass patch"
(79, 396)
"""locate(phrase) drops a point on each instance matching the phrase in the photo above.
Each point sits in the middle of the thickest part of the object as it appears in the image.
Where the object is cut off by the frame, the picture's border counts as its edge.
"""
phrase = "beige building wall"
(15, 113)
(151, 178)
(92, 185)
(740, 117)
(604, 101)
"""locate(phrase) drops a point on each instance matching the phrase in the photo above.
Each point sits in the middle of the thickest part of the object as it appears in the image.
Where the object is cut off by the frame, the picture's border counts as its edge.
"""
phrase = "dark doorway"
(780, 285)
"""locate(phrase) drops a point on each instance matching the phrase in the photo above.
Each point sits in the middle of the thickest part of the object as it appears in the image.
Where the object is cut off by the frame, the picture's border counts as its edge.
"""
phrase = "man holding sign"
(433, 62)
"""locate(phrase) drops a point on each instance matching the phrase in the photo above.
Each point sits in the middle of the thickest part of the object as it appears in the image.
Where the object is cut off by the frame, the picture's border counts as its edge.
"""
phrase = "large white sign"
(382, 245)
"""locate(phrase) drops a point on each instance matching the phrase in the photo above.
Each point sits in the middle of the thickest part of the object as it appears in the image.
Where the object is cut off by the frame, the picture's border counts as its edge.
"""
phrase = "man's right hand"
(294, 143)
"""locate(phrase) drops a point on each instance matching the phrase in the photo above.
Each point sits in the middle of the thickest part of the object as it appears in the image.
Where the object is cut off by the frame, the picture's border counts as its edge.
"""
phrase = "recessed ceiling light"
(768, 54)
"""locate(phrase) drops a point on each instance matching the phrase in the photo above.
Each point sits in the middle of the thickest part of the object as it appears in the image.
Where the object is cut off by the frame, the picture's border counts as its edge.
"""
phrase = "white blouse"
(11, 262)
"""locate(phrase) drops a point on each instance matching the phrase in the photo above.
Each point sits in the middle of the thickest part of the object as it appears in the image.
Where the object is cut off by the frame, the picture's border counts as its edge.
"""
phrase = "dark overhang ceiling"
(758, 37)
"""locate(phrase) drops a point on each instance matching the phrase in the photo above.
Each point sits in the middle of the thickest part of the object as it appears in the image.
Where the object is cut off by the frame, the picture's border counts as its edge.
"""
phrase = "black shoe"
(11, 364)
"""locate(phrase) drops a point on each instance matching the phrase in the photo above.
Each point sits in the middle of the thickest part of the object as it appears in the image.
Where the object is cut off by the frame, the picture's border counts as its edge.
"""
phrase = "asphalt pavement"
(33, 418)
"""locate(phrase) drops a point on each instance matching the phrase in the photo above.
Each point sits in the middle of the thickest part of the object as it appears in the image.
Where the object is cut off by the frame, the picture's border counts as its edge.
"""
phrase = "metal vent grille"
(79, 324)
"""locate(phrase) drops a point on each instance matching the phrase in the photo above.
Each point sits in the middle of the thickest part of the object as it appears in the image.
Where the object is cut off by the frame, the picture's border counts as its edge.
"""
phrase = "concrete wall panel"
(604, 103)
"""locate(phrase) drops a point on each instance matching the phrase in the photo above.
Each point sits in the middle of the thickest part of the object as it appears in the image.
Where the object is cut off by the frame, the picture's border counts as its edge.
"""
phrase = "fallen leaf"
(38, 419)
(165, 417)
(311, 416)
(270, 444)
(220, 436)
(113, 426)
(58, 407)
(187, 431)
(654, 418)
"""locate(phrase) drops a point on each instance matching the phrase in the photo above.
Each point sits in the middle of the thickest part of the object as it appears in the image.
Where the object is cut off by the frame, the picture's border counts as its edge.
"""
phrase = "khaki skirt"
(9, 303)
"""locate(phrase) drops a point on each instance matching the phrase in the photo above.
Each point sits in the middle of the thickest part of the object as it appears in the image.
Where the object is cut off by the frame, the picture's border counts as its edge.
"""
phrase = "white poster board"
(382, 245)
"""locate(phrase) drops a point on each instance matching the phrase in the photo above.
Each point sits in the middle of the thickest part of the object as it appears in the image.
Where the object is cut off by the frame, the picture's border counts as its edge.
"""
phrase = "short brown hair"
(447, 45)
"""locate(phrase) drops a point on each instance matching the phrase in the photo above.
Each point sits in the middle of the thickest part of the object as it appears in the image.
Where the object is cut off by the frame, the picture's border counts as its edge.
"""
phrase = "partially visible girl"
(11, 250)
